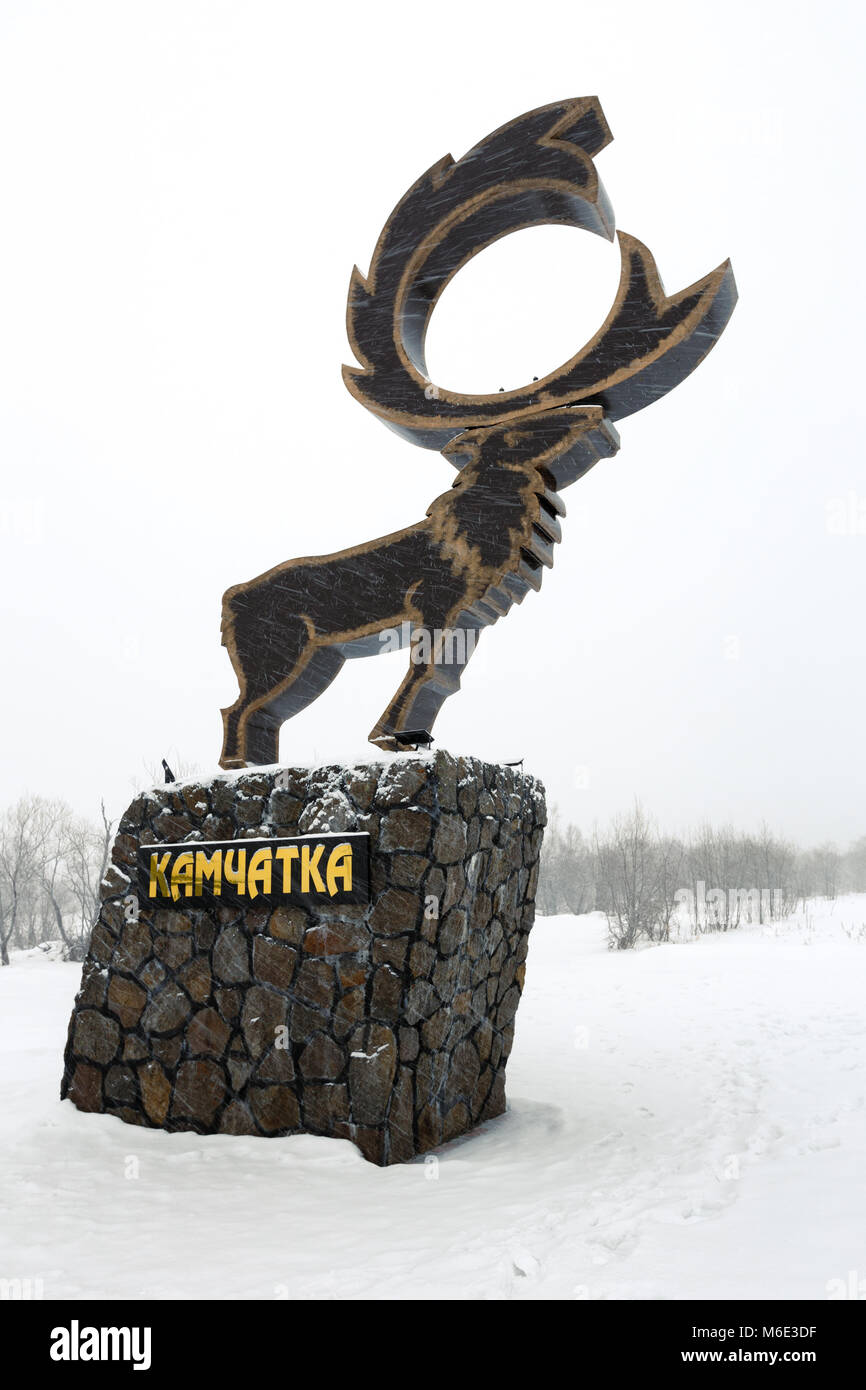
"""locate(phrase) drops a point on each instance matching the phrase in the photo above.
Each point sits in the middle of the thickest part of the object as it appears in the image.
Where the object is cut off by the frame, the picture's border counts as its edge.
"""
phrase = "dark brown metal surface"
(485, 543)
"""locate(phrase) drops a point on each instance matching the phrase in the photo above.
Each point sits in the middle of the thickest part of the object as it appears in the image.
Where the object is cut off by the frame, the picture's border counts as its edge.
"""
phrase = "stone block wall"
(389, 1023)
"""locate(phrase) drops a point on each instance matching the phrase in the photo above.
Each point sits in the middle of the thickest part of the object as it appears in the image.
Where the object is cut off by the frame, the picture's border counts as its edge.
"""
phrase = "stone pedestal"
(389, 1023)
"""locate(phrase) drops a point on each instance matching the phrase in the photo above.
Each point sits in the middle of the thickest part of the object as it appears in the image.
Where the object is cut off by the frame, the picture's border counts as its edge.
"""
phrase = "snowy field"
(684, 1121)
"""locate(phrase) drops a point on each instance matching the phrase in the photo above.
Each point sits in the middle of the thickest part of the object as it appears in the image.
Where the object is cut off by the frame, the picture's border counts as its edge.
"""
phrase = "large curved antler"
(537, 169)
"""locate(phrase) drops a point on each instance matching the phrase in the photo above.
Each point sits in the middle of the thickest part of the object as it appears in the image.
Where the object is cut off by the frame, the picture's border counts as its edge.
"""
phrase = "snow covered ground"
(684, 1121)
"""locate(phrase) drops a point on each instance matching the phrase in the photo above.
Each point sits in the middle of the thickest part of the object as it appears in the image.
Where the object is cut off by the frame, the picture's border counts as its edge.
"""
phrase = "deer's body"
(481, 547)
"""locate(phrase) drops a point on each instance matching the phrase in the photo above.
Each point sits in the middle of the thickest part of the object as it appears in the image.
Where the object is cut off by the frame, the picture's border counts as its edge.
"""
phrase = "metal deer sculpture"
(484, 544)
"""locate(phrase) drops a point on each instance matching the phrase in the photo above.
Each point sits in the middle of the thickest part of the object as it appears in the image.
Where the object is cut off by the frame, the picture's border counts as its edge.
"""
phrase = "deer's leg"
(275, 684)
(248, 739)
(252, 734)
(427, 685)
(250, 731)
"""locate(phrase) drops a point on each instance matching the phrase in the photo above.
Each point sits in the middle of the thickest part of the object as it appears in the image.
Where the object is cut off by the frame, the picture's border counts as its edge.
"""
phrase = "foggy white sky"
(185, 189)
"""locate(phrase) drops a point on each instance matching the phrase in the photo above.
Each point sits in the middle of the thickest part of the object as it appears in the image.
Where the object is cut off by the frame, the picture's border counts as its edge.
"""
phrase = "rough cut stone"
(275, 1109)
(155, 1091)
(169, 1008)
(322, 1058)
(263, 1013)
(198, 1093)
(273, 962)
(372, 1064)
(85, 1087)
(231, 956)
(126, 999)
(388, 1024)
(207, 1035)
(96, 1036)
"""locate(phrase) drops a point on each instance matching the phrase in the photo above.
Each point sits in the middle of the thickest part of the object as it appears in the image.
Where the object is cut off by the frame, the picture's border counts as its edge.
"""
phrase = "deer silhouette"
(484, 544)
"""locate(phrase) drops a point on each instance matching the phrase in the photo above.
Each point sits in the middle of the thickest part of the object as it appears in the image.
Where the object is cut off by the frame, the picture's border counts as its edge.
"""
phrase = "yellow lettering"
(181, 875)
(209, 866)
(259, 873)
(340, 866)
(309, 866)
(233, 872)
(158, 866)
(285, 854)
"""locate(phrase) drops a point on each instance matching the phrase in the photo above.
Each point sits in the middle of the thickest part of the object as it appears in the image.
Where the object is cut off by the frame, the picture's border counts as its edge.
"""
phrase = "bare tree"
(853, 869)
(641, 879)
(25, 829)
(567, 880)
(73, 865)
(826, 870)
(629, 879)
(51, 864)
(671, 858)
